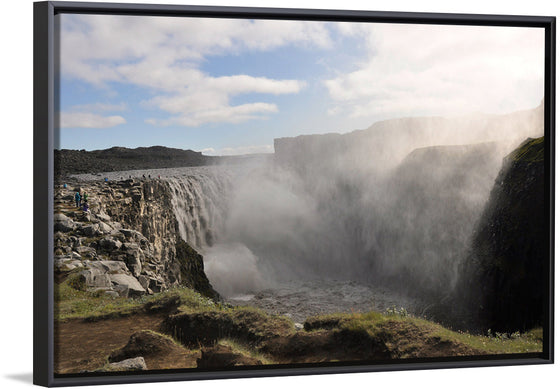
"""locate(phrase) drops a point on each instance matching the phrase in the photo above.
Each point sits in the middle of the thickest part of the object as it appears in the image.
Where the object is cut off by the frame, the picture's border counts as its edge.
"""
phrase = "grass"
(411, 332)
(74, 302)
(529, 342)
(240, 348)
(405, 333)
(530, 151)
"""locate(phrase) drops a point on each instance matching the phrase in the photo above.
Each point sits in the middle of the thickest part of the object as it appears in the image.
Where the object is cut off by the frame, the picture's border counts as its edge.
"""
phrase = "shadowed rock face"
(503, 280)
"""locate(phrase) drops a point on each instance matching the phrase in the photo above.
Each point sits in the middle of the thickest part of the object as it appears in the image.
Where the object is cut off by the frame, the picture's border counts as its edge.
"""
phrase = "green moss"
(532, 150)
(76, 281)
(72, 303)
(410, 333)
(243, 349)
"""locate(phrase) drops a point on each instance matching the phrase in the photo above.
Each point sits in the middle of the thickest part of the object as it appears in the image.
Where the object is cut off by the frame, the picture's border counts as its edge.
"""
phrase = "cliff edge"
(127, 243)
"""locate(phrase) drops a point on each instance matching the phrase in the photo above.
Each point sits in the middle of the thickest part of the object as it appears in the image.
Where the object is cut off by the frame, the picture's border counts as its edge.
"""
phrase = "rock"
(224, 356)
(109, 244)
(298, 326)
(136, 195)
(75, 256)
(105, 228)
(95, 278)
(103, 217)
(142, 344)
(128, 281)
(144, 281)
(63, 223)
(133, 364)
(503, 280)
(113, 267)
(132, 234)
(151, 283)
(90, 230)
(134, 259)
(66, 263)
(116, 226)
(121, 290)
(86, 251)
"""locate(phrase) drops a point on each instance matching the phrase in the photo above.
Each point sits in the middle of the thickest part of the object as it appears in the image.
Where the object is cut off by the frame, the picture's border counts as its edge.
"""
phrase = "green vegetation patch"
(73, 301)
(532, 150)
(251, 352)
(194, 326)
(407, 336)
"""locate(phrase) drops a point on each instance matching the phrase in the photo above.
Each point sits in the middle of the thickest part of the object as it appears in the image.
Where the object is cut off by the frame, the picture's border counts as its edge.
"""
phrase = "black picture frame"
(45, 138)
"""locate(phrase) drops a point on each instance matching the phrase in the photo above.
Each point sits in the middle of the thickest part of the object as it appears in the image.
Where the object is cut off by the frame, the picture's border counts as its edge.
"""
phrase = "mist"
(394, 204)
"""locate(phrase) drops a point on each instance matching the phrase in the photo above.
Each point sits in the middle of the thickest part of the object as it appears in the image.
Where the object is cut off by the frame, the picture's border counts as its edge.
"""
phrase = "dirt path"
(81, 345)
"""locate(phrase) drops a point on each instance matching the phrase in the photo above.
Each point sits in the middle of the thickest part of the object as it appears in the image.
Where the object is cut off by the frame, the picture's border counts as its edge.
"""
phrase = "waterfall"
(199, 200)
(261, 223)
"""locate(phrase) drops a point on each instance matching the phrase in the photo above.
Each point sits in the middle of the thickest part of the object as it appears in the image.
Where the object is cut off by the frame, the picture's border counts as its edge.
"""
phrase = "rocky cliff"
(128, 242)
(503, 281)
(386, 143)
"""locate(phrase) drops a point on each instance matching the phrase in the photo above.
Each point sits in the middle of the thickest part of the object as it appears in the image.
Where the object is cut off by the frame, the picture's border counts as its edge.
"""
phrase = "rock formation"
(127, 244)
(503, 282)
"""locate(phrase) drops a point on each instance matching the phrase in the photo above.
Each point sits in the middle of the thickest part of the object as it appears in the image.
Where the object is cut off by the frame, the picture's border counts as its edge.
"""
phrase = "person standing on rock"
(85, 197)
(78, 199)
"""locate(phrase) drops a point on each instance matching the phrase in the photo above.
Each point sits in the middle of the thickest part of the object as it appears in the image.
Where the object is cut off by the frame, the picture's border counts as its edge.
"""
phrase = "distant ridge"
(122, 158)
(119, 158)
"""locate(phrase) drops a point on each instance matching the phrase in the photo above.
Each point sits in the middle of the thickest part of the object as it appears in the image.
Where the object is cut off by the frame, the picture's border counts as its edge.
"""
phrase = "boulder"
(66, 263)
(116, 226)
(133, 364)
(113, 267)
(105, 228)
(110, 244)
(134, 259)
(103, 217)
(76, 256)
(63, 223)
(124, 280)
(95, 278)
(151, 283)
(90, 230)
(86, 252)
(132, 234)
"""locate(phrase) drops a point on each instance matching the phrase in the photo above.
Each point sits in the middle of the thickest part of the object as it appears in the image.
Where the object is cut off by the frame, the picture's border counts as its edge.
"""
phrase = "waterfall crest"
(199, 200)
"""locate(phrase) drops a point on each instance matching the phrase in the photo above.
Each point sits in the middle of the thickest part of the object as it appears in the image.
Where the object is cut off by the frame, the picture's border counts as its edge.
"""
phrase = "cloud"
(100, 107)
(427, 70)
(165, 56)
(207, 100)
(220, 114)
(88, 120)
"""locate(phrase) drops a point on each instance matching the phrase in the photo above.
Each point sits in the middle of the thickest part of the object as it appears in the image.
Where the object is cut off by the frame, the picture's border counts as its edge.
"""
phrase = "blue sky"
(225, 86)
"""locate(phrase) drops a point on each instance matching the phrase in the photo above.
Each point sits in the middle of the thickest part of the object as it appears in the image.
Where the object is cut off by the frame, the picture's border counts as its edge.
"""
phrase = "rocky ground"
(127, 243)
